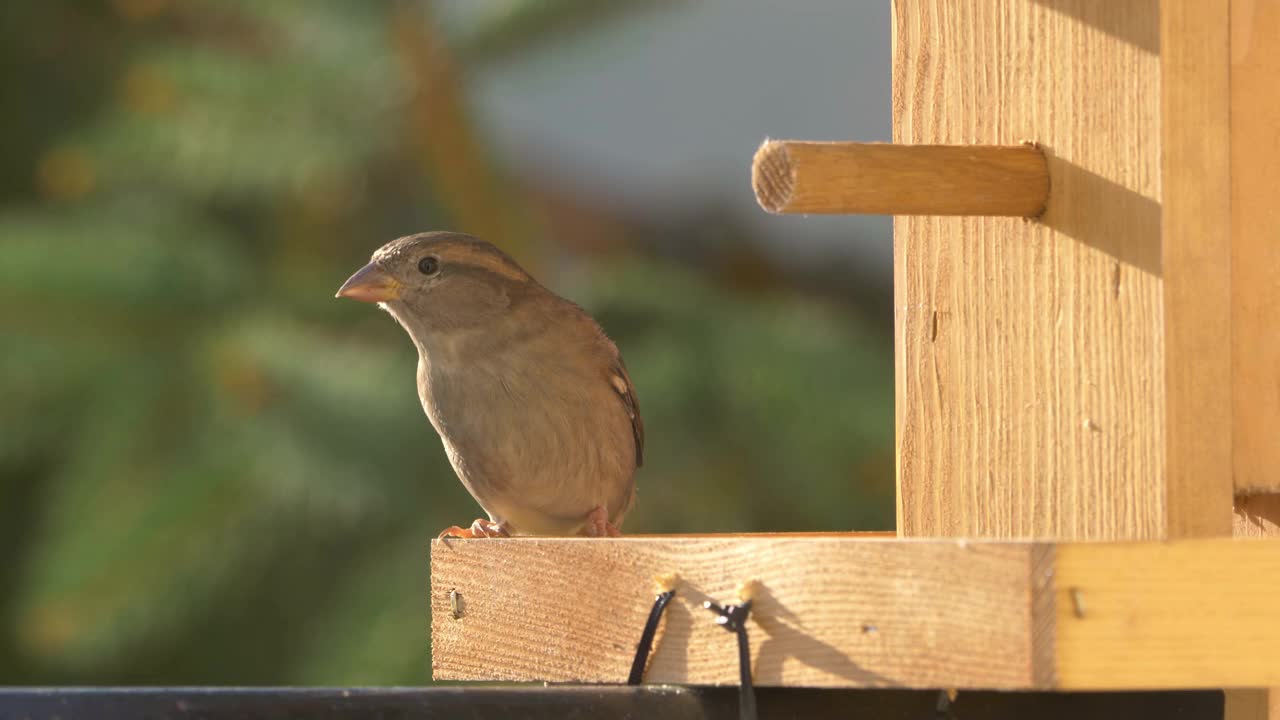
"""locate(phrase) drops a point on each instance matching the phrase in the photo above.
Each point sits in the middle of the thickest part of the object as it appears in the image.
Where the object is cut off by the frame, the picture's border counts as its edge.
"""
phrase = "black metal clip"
(666, 591)
(734, 619)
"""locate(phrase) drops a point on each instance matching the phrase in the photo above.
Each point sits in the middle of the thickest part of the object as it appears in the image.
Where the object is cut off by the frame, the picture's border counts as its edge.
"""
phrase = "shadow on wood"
(1115, 19)
(1104, 215)
(1257, 516)
(785, 630)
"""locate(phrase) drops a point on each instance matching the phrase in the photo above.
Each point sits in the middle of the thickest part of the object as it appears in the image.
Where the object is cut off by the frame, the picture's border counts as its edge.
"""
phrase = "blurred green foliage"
(213, 472)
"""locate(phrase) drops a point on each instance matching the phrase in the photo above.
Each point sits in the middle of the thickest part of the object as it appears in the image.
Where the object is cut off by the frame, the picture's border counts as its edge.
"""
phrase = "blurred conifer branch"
(210, 471)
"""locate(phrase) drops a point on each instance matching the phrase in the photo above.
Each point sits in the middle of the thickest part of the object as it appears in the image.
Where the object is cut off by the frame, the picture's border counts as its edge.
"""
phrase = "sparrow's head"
(435, 282)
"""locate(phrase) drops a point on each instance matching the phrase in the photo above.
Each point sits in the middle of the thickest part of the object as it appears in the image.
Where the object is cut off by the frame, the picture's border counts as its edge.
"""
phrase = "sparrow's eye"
(429, 265)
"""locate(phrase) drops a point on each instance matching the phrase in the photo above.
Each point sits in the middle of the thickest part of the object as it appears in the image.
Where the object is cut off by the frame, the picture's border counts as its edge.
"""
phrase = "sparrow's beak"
(370, 284)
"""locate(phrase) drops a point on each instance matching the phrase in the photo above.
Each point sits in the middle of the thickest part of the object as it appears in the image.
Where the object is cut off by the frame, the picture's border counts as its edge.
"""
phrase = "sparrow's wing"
(627, 391)
(619, 379)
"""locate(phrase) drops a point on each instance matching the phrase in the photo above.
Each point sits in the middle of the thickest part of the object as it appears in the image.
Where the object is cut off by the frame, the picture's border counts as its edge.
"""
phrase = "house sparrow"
(536, 410)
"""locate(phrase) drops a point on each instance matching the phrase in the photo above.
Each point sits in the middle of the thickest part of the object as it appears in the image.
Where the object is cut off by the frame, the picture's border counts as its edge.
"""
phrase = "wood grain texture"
(1044, 617)
(1255, 241)
(865, 612)
(1192, 613)
(829, 612)
(791, 176)
(1197, 265)
(1030, 355)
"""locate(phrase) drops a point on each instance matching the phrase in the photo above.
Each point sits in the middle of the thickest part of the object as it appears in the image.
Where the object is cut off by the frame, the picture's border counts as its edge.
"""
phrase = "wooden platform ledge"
(790, 176)
(857, 611)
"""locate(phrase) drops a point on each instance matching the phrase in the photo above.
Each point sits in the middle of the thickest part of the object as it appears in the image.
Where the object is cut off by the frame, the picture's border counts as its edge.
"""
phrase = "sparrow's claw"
(598, 524)
(481, 528)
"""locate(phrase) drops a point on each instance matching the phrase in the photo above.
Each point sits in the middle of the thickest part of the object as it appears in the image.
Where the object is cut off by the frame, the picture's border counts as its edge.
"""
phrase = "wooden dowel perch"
(791, 176)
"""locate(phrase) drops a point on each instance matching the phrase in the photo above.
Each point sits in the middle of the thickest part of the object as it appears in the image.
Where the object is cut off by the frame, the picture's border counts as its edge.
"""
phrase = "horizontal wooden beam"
(1190, 613)
(790, 176)
(860, 611)
(829, 611)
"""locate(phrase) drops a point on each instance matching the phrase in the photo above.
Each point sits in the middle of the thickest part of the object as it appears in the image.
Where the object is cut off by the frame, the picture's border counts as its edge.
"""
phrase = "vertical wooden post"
(1220, 78)
(1255, 240)
(1030, 354)
(1197, 264)
(1110, 370)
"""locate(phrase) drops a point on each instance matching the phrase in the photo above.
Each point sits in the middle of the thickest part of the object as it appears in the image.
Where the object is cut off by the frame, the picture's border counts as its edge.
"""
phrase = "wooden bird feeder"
(1087, 272)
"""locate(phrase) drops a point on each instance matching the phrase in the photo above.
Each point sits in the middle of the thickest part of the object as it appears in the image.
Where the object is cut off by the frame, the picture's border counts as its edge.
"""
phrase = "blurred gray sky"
(664, 108)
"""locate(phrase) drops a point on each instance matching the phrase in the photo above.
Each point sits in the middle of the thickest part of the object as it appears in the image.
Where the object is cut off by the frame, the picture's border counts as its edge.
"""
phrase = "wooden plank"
(830, 612)
(1197, 265)
(1191, 613)
(1030, 354)
(1256, 516)
(1255, 240)
(866, 612)
(792, 176)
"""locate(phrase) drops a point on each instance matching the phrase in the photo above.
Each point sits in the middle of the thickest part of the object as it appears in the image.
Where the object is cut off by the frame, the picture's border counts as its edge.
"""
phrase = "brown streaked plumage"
(535, 407)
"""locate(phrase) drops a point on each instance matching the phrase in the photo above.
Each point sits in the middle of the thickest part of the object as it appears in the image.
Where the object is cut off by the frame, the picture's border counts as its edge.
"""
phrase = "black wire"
(734, 619)
(646, 637)
(746, 692)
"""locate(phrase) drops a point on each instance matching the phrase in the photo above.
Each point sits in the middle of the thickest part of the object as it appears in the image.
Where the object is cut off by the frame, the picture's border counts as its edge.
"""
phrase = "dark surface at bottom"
(569, 702)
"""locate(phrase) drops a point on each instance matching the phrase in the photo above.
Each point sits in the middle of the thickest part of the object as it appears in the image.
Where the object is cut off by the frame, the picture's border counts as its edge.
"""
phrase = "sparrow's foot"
(598, 524)
(481, 528)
